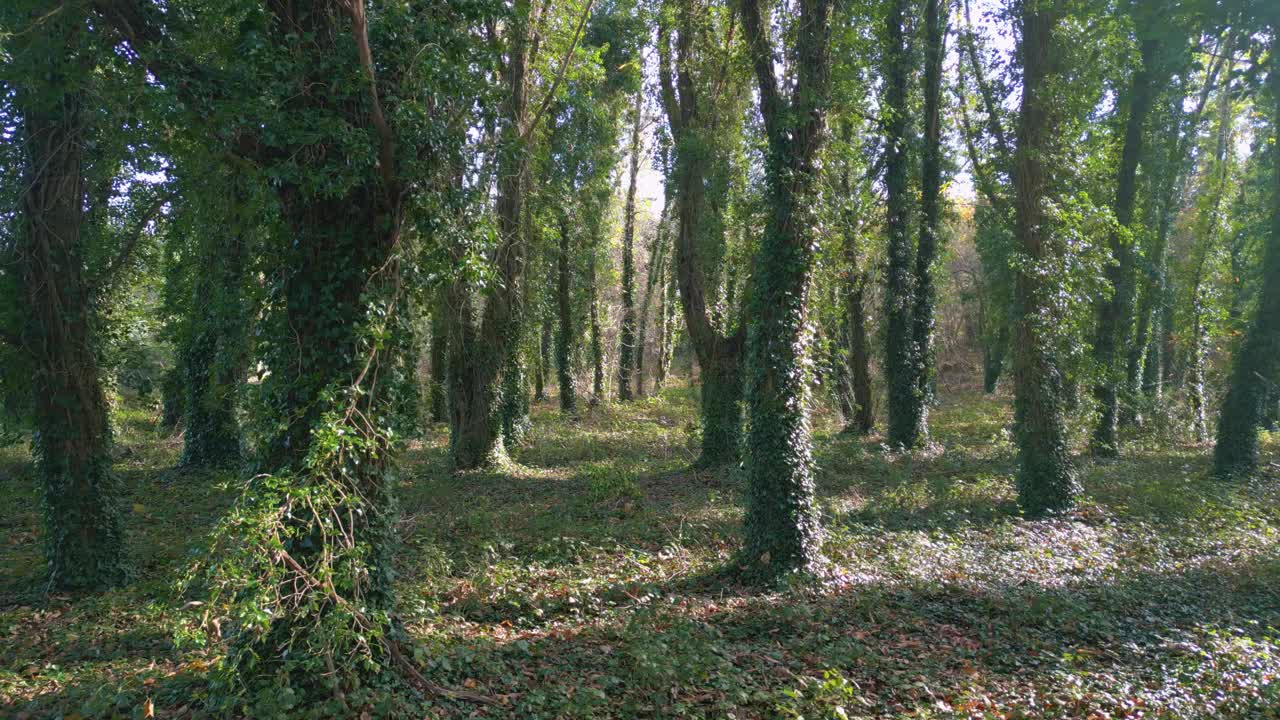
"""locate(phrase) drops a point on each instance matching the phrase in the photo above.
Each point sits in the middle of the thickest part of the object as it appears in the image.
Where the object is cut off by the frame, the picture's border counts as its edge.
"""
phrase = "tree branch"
(761, 49)
(387, 145)
(564, 65)
(103, 278)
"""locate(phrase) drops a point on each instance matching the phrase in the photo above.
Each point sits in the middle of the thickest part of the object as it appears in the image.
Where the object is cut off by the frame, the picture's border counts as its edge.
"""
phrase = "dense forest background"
(639, 358)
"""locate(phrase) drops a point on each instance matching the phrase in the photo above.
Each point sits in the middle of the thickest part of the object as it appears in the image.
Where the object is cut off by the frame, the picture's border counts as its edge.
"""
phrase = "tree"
(908, 418)
(701, 96)
(926, 295)
(482, 343)
(783, 531)
(627, 348)
(1256, 365)
(57, 60)
(1116, 312)
(1046, 480)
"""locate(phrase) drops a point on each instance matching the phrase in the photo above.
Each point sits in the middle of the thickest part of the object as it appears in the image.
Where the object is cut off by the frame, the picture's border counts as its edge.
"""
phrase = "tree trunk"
(1256, 366)
(926, 295)
(719, 355)
(783, 531)
(597, 344)
(655, 271)
(1116, 313)
(544, 356)
(906, 404)
(862, 421)
(1046, 480)
(216, 353)
(439, 357)
(566, 336)
(485, 349)
(627, 349)
(72, 440)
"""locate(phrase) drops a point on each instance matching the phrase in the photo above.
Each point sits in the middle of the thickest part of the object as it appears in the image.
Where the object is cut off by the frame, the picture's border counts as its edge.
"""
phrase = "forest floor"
(586, 581)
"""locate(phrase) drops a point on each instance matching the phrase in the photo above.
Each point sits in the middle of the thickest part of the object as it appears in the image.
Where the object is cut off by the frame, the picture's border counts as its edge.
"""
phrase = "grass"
(585, 582)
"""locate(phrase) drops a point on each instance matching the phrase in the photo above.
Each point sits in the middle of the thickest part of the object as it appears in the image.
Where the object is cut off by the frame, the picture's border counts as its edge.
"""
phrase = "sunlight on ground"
(587, 581)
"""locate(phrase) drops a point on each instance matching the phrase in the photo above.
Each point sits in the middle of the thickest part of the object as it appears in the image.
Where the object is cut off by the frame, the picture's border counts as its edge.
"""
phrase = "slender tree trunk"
(718, 354)
(783, 531)
(597, 343)
(926, 295)
(906, 404)
(544, 356)
(862, 420)
(627, 335)
(83, 537)
(1116, 313)
(667, 330)
(566, 335)
(438, 357)
(1046, 480)
(655, 271)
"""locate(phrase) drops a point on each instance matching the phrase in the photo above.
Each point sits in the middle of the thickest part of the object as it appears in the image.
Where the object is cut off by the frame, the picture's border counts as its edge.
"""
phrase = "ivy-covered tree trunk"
(667, 331)
(566, 333)
(72, 441)
(515, 401)
(906, 404)
(481, 350)
(719, 354)
(438, 357)
(926, 294)
(655, 271)
(628, 352)
(544, 357)
(1046, 480)
(1256, 366)
(993, 354)
(861, 419)
(597, 341)
(783, 531)
(1115, 314)
(216, 353)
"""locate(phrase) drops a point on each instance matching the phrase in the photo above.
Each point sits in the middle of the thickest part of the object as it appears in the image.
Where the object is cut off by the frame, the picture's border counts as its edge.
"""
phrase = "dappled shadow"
(904, 645)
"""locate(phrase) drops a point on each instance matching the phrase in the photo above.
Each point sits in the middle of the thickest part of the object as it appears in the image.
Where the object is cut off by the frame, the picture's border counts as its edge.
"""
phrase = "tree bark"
(1256, 366)
(84, 540)
(1115, 314)
(783, 531)
(1046, 480)
(566, 335)
(627, 349)
(926, 294)
(906, 404)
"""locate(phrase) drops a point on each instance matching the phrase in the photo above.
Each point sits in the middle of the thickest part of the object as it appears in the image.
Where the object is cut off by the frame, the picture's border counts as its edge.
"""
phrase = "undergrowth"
(587, 580)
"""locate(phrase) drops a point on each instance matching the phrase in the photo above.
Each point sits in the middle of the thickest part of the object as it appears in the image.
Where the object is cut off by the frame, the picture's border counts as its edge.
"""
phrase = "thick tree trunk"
(783, 531)
(906, 404)
(216, 354)
(1046, 480)
(627, 349)
(1256, 366)
(83, 537)
(1116, 313)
